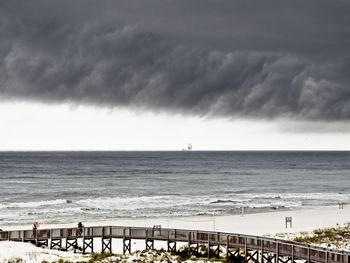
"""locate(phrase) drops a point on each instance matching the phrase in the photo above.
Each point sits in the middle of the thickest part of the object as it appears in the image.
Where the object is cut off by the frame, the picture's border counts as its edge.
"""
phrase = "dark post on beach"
(289, 221)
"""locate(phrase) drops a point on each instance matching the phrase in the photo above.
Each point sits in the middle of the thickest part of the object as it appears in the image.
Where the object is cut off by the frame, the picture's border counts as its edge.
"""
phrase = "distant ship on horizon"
(189, 147)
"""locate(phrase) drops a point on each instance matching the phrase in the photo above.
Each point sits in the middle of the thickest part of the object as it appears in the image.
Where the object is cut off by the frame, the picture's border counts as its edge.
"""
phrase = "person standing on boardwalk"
(35, 228)
(80, 229)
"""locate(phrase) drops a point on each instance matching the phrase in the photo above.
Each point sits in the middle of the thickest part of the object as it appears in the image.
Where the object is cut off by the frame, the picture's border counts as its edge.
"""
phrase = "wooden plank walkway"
(253, 248)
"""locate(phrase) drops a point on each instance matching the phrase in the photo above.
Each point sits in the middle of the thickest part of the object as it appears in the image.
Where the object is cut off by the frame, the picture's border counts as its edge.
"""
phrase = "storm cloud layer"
(216, 58)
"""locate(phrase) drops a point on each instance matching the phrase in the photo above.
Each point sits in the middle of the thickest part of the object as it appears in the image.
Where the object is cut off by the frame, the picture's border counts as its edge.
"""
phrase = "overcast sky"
(157, 74)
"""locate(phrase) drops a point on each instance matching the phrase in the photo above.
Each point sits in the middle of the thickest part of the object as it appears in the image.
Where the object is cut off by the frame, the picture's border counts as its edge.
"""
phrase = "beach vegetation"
(96, 257)
(184, 254)
(61, 260)
(148, 256)
(331, 236)
(234, 259)
(15, 260)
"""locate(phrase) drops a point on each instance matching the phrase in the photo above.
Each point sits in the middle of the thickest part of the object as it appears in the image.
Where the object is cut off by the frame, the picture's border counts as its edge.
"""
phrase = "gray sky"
(283, 63)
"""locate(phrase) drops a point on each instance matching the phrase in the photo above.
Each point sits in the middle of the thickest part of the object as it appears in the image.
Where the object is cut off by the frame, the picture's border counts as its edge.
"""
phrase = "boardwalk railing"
(253, 248)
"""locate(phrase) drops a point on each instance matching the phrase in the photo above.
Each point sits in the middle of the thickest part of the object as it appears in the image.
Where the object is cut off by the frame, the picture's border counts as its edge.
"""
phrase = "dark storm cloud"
(258, 59)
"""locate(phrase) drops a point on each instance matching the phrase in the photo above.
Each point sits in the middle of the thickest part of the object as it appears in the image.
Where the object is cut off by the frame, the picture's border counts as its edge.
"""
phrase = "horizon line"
(202, 150)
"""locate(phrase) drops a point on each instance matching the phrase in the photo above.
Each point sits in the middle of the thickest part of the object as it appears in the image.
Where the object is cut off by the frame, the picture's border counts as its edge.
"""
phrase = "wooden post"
(88, 242)
(257, 251)
(189, 244)
(83, 241)
(73, 244)
(277, 252)
(228, 246)
(106, 239)
(106, 244)
(245, 249)
(237, 253)
(208, 250)
(36, 237)
(292, 253)
(149, 244)
(50, 238)
(262, 251)
(126, 246)
(92, 245)
(219, 245)
(56, 243)
(124, 241)
(171, 246)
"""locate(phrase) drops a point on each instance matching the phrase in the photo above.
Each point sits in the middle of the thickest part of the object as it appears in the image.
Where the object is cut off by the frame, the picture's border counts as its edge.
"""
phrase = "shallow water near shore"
(57, 187)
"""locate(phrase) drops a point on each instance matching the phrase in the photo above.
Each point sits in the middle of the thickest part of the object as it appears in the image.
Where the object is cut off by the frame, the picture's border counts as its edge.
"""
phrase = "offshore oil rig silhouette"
(189, 147)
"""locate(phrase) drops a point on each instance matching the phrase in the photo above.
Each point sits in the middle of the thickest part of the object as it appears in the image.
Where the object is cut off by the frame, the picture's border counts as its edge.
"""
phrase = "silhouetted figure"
(80, 229)
(35, 228)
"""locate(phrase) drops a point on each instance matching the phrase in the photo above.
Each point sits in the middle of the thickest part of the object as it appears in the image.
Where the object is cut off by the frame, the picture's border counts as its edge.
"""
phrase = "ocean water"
(57, 187)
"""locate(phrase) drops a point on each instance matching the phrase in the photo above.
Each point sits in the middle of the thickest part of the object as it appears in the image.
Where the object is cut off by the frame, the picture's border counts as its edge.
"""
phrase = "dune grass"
(337, 236)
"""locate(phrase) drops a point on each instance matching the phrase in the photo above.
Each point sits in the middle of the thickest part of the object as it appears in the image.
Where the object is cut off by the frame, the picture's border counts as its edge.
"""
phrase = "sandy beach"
(256, 224)
(272, 224)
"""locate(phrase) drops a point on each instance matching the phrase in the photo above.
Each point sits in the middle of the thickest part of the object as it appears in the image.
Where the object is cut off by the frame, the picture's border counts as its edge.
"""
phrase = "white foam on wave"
(33, 204)
(300, 196)
(162, 205)
(184, 202)
(133, 203)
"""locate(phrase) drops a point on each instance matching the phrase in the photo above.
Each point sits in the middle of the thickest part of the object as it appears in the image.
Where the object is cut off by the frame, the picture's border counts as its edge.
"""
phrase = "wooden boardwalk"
(252, 248)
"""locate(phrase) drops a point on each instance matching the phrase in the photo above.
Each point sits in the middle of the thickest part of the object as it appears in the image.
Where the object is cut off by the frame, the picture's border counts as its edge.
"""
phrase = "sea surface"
(66, 187)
